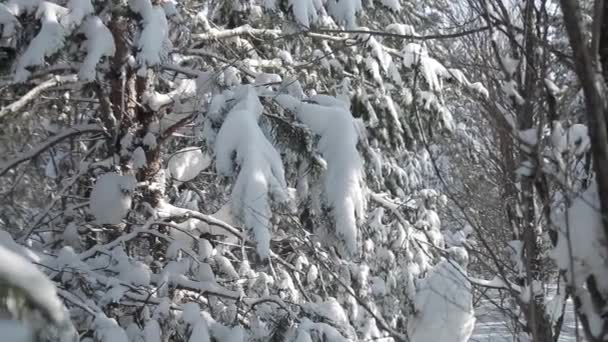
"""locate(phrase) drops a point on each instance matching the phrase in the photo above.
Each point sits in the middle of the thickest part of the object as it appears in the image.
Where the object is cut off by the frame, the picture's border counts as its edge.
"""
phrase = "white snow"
(575, 139)
(510, 89)
(139, 158)
(581, 229)
(261, 169)
(414, 54)
(18, 272)
(8, 22)
(152, 331)
(78, 10)
(185, 88)
(70, 235)
(99, 44)
(304, 11)
(19, 7)
(344, 11)
(402, 29)
(529, 136)
(153, 42)
(108, 330)
(149, 140)
(510, 64)
(47, 42)
(16, 331)
(444, 307)
(200, 332)
(185, 164)
(331, 119)
(394, 5)
(110, 199)
(552, 87)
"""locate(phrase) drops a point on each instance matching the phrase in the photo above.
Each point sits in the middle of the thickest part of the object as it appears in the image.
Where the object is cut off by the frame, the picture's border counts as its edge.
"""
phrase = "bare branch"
(52, 141)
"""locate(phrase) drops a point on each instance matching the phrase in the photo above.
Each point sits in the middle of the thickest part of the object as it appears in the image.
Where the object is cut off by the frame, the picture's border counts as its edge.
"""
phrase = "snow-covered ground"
(492, 326)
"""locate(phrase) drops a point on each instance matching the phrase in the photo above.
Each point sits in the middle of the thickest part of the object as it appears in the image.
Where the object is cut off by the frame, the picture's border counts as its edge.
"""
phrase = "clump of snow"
(581, 242)
(108, 330)
(443, 304)
(46, 43)
(185, 164)
(261, 169)
(152, 331)
(529, 136)
(8, 22)
(78, 10)
(510, 89)
(552, 87)
(185, 88)
(110, 199)
(394, 5)
(139, 158)
(153, 42)
(20, 7)
(510, 64)
(575, 139)
(18, 272)
(414, 55)
(304, 11)
(149, 140)
(308, 328)
(344, 11)
(402, 29)
(71, 236)
(99, 44)
(331, 119)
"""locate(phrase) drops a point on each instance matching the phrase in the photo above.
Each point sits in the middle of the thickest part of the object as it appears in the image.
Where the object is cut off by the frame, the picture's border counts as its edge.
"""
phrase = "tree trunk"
(594, 88)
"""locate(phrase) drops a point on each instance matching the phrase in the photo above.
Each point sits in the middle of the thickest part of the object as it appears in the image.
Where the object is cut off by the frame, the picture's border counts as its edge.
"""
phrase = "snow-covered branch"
(247, 30)
(33, 94)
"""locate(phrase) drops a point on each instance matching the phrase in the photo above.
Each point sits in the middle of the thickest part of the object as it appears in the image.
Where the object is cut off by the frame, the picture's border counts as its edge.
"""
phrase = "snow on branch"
(57, 22)
(70, 132)
(100, 43)
(247, 30)
(8, 22)
(331, 119)
(345, 11)
(405, 33)
(153, 42)
(78, 10)
(167, 210)
(47, 42)
(18, 272)
(261, 170)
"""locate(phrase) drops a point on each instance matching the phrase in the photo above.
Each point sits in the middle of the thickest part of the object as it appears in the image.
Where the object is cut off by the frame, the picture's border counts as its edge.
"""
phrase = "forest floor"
(493, 326)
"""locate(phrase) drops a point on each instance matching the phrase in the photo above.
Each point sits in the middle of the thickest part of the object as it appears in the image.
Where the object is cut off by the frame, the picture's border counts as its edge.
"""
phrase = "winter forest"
(303, 170)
